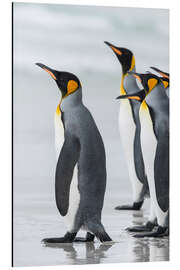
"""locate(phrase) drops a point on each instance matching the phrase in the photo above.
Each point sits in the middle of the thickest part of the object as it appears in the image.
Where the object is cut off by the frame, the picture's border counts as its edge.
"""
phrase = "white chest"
(149, 146)
(59, 133)
(127, 129)
(126, 122)
(148, 139)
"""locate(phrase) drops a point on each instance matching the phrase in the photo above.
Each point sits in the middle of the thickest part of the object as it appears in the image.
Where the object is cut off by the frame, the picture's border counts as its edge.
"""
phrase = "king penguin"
(165, 79)
(129, 128)
(80, 179)
(154, 120)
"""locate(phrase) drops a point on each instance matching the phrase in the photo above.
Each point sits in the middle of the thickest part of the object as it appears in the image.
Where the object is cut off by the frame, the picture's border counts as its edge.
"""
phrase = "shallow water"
(71, 38)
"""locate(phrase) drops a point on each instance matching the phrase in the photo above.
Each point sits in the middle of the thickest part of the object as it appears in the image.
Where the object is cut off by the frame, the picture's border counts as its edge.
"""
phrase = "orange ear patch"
(165, 83)
(152, 83)
(52, 75)
(116, 50)
(71, 86)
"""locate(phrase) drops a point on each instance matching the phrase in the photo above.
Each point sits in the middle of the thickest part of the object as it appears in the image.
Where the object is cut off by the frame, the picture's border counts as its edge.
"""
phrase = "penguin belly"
(149, 146)
(127, 130)
(74, 195)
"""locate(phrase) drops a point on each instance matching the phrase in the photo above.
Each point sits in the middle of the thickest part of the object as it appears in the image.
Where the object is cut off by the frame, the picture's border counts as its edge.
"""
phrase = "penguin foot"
(98, 230)
(103, 236)
(68, 238)
(136, 206)
(158, 232)
(89, 238)
(148, 227)
(56, 240)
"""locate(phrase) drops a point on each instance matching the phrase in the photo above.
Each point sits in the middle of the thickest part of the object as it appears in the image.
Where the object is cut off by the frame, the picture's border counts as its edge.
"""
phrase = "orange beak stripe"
(164, 75)
(116, 50)
(134, 97)
(52, 75)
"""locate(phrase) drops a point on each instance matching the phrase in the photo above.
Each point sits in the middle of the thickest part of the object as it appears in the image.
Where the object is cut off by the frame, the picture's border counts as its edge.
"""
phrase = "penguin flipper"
(68, 158)
(161, 168)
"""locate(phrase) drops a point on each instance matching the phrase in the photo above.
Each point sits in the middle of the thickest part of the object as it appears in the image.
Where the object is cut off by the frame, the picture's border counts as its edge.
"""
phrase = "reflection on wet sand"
(93, 255)
(149, 249)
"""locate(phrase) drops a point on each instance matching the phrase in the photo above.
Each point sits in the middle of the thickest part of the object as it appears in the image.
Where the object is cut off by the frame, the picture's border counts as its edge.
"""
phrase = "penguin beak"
(129, 97)
(163, 74)
(114, 48)
(48, 70)
(139, 96)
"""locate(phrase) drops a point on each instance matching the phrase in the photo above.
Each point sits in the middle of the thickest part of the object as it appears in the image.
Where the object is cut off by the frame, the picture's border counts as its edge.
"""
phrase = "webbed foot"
(136, 206)
(157, 232)
(89, 238)
(68, 238)
(148, 227)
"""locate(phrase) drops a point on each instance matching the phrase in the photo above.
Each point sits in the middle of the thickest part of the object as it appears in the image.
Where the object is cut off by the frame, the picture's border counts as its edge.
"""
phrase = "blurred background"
(71, 38)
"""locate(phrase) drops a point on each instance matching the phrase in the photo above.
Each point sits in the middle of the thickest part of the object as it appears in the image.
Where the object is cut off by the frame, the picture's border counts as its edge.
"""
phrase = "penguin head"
(165, 77)
(148, 81)
(162, 73)
(67, 82)
(125, 57)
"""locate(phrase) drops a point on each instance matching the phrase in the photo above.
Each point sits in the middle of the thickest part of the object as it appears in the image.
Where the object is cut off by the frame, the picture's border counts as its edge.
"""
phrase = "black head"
(165, 76)
(67, 82)
(148, 80)
(125, 57)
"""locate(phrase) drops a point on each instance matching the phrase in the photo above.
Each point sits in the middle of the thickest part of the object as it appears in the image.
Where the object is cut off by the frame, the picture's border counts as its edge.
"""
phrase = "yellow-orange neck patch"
(122, 90)
(144, 105)
(58, 111)
(132, 63)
